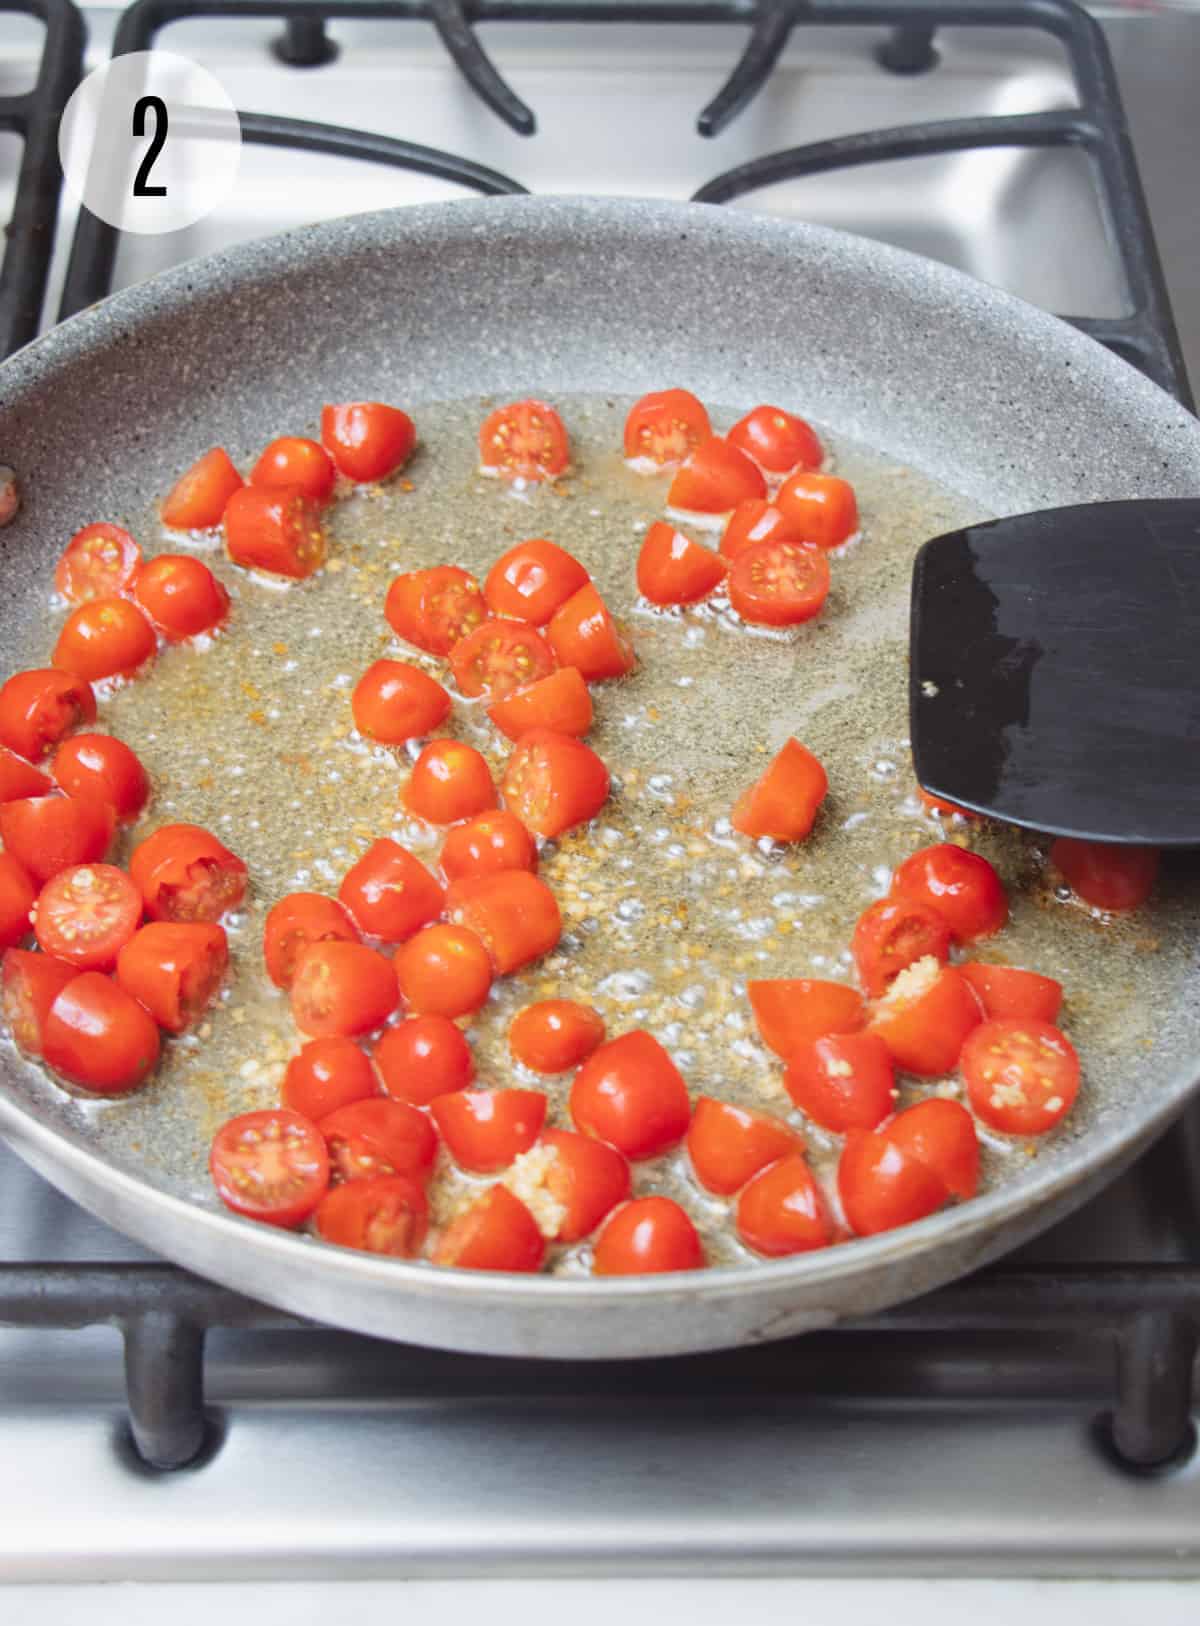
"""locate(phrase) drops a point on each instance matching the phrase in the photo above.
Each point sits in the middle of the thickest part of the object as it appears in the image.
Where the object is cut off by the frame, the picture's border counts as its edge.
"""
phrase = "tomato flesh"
(387, 1214)
(86, 914)
(30, 984)
(756, 520)
(715, 478)
(38, 708)
(435, 609)
(583, 634)
(554, 782)
(778, 441)
(20, 780)
(779, 584)
(389, 893)
(665, 427)
(496, 1233)
(1022, 1075)
(198, 500)
(515, 914)
(940, 1134)
(486, 1129)
(378, 1136)
(1005, 990)
(17, 897)
(46, 834)
(586, 1178)
(276, 531)
(297, 921)
(342, 989)
(672, 569)
(560, 701)
(174, 969)
(925, 1017)
(784, 803)
(892, 934)
(498, 657)
(729, 1144)
(843, 1081)
(524, 441)
(100, 561)
(792, 1011)
(270, 1166)
(185, 873)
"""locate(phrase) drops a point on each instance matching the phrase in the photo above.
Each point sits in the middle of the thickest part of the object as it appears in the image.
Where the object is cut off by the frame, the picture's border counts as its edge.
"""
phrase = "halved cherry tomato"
(715, 478)
(553, 782)
(180, 595)
(792, 1011)
(779, 584)
(882, 1186)
(524, 441)
(31, 984)
(174, 969)
(38, 708)
(435, 609)
(100, 561)
(270, 1166)
(666, 426)
(497, 1232)
(444, 971)
(423, 1057)
(945, 810)
(46, 834)
(631, 1094)
(821, 507)
(586, 1178)
(389, 893)
(960, 886)
(340, 989)
(530, 581)
(368, 440)
(185, 873)
(555, 1035)
(940, 1134)
(843, 1081)
(295, 923)
(514, 913)
(892, 934)
(378, 1136)
(295, 463)
(485, 1129)
(583, 634)
(498, 657)
(17, 897)
(395, 701)
(103, 767)
(560, 702)
(925, 1017)
(1004, 990)
(20, 779)
(784, 802)
(277, 531)
(782, 1211)
(649, 1236)
(199, 498)
(1104, 874)
(387, 1213)
(753, 521)
(778, 441)
(86, 914)
(108, 637)
(98, 1036)
(672, 569)
(1022, 1075)
(729, 1144)
(486, 845)
(450, 781)
(327, 1074)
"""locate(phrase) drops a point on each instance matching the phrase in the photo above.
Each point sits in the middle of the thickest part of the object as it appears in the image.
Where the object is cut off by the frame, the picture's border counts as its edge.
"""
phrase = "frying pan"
(556, 296)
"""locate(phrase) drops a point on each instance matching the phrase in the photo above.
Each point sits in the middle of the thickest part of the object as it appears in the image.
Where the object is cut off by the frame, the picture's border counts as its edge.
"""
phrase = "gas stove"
(1033, 1419)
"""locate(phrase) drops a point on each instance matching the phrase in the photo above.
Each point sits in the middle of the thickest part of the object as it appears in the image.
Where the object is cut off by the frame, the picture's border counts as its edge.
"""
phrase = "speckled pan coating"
(552, 296)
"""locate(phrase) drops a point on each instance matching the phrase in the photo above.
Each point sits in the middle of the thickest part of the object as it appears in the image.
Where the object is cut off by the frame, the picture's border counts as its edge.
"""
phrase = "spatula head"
(1055, 670)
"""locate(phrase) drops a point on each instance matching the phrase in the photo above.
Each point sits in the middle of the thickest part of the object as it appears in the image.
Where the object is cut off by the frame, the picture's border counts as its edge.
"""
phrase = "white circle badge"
(150, 142)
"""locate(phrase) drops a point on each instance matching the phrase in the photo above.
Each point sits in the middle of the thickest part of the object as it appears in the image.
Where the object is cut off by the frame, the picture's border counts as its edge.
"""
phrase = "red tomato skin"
(960, 886)
(583, 634)
(650, 1236)
(554, 782)
(925, 1035)
(185, 873)
(99, 1037)
(1105, 875)
(715, 478)
(940, 1134)
(101, 766)
(630, 1093)
(892, 934)
(487, 845)
(293, 461)
(368, 440)
(99, 561)
(17, 897)
(174, 969)
(515, 914)
(882, 1186)
(781, 583)
(31, 983)
(499, 657)
(782, 1211)
(386, 1213)
(530, 581)
(486, 1129)
(378, 1135)
(785, 801)
(108, 637)
(728, 1145)
(327, 1074)
(560, 702)
(38, 708)
(303, 1143)
(665, 427)
(423, 1057)
(587, 1178)
(389, 894)
(778, 441)
(525, 440)
(435, 609)
(68, 896)
(672, 569)
(279, 532)
(754, 521)
(444, 971)
(394, 701)
(496, 1233)
(46, 834)
(198, 500)
(20, 780)
(450, 781)
(945, 810)
(821, 507)
(792, 1011)
(356, 967)
(555, 1035)
(1005, 990)
(295, 923)
(180, 595)
(1052, 1077)
(843, 1081)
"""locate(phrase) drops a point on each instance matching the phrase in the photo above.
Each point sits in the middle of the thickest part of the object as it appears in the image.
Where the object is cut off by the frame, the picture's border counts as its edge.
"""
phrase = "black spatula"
(1055, 676)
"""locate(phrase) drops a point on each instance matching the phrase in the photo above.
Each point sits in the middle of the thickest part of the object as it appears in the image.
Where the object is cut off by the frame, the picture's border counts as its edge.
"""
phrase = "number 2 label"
(141, 181)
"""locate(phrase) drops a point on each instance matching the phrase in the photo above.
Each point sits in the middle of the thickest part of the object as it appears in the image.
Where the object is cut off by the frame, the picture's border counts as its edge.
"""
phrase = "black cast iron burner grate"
(1149, 1313)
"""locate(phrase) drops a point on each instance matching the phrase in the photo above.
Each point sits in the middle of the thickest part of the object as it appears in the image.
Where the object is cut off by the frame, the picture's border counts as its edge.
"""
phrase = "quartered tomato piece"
(17, 897)
(821, 507)
(295, 463)
(583, 634)
(395, 701)
(389, 893)
(86, 914)
(486, 845)
(554, 782)
(778, 441)
(514, 913)
(530, 581)
(378, 1136)
(729, 1144)
(435, 609)
(280, 532)
(108, 637)
(1022, 1075)
(715, 478)
(100, 766)
(782, 1211)
(100, 561)
(892, 934)
(444, 971)
(585, 1178)
(174, 969)
(784, 803)
(19, 779)
(341, 989)
(925, 1017)
(270, 1166)
(882, 1186)
(555, 1035)
(665, 427)
(98, 1036)
(30, 984)
(792, 1011)
(560, 701)
(1106, 875)
(387, 1213)
(38, 708)
(779, 584)
(297, 921)
(647, 1237)
(672, 569)
(185, 873)
(498, 657)
(497, 1232)
(940, 1134)
(524, 441)
(1004, 990)
(486, 1129)
(450, 781)
(631, 1094)
(753, 521)
(945, 810)
(960, 886)
(843, 1081)
(199, 498)
(368, 440)
(180, 595)
(46, 834)
(327, 1074)
(423, 1057)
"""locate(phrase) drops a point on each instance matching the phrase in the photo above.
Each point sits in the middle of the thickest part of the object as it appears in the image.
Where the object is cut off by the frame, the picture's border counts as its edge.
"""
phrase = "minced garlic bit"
(526, 1179)
(913, 981)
